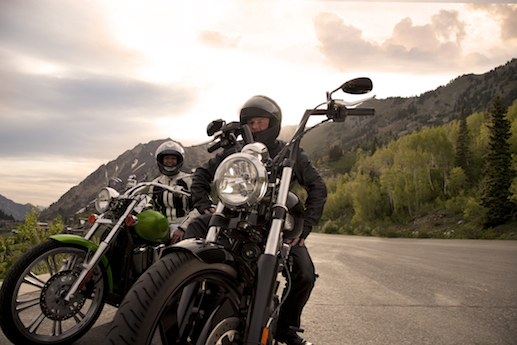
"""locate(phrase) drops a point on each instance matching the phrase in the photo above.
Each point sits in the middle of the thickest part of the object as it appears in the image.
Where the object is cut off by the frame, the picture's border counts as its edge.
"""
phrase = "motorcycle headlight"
(241, 179)
(102, 202)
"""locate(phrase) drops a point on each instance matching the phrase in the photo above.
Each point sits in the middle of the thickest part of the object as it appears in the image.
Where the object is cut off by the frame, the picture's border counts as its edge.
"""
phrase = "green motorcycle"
(56, 291)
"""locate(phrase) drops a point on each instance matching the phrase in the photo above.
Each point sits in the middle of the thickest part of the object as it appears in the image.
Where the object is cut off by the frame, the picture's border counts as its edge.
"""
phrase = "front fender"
(212, 253)
(81, 241)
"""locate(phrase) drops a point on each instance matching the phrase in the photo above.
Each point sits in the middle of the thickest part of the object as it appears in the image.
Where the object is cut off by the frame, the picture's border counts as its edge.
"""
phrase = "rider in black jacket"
(263, 116)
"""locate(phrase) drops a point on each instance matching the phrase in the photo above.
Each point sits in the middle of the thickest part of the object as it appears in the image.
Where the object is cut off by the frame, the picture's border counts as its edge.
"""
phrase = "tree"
(335, 153)
(5, 216)
(462, 158)
(499, 172)
(29, 233)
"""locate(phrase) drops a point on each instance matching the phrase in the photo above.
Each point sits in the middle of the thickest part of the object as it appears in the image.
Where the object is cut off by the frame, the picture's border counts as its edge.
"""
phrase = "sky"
(84, 81)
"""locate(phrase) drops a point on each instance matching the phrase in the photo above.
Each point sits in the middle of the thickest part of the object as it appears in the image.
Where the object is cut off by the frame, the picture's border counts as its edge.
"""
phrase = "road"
(402, 291)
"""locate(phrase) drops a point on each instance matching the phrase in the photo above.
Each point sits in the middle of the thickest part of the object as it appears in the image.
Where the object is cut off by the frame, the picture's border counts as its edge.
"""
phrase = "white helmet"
(170, 148)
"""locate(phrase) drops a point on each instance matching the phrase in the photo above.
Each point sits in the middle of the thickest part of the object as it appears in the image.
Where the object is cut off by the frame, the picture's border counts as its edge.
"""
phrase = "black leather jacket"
(304, 172)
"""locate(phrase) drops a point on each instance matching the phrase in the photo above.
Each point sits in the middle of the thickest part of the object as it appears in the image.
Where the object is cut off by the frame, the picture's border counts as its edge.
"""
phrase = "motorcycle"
(226, 289)
(56, 291)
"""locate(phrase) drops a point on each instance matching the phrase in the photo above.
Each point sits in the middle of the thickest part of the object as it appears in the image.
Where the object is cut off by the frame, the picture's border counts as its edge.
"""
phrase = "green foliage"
(366, 199)
(462, 159)
(434, 170)
(457, 181)
(28, 234)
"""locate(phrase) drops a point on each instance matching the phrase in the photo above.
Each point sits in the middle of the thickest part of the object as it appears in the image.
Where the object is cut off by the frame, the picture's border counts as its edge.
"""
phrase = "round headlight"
(241, 179)
(103, 199)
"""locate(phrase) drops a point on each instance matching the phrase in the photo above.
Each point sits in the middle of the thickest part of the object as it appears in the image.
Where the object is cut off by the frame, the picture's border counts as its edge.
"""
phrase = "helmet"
(169, 148)
(262, 106)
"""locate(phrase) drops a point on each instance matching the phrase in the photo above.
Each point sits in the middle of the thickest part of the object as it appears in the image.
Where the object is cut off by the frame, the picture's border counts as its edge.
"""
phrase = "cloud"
(446, 24)
(68, 34)
(62, 114)
(66, 86)
(219, 40)
(504, 14)
(431, 48)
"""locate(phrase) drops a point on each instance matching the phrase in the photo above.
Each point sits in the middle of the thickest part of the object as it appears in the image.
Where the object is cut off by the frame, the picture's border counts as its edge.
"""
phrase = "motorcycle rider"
(264, 116)
(169, 158)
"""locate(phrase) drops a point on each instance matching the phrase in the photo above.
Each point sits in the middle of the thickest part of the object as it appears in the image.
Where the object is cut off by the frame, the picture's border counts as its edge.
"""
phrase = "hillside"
(11, 208)
(395, 117)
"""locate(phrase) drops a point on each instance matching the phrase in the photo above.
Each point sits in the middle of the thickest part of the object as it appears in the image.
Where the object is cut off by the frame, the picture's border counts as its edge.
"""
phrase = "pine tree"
(499, 173)
(463, 156)
(5, 216)
(335, 153)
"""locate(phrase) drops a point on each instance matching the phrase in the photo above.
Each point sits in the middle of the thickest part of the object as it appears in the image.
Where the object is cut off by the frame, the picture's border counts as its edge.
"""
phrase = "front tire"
(32, 306)
(178, 300)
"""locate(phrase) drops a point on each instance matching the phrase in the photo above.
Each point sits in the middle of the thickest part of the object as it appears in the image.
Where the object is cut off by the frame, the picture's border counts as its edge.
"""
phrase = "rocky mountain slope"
(9, 207)
(395, 117)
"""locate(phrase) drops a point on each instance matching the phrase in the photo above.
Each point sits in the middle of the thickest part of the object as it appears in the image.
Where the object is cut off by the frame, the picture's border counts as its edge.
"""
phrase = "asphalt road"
(402, 291)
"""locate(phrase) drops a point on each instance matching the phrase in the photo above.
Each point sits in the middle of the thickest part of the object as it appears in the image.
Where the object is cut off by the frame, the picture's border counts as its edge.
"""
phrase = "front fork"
(99, 253)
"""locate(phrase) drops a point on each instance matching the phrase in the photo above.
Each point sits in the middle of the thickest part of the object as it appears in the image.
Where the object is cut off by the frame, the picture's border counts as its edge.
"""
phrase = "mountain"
(397, 116)
(138, 161)
(9, 207)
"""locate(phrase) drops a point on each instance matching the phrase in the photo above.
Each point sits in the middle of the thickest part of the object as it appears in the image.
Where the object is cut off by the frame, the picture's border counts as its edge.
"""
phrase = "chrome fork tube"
(278, 223)
(99, 253)
(213, 231)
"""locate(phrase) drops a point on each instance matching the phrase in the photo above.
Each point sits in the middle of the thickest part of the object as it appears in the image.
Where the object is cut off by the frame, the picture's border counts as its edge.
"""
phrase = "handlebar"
(360, 112)
(227, 136)
(340, 112)
(174, 189)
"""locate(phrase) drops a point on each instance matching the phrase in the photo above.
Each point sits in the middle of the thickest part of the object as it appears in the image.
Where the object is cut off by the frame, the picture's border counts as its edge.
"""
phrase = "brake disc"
(226, 332)
(52, 298)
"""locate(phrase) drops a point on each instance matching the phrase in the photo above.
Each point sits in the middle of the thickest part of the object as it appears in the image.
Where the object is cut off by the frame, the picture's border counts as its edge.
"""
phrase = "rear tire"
(178, 300)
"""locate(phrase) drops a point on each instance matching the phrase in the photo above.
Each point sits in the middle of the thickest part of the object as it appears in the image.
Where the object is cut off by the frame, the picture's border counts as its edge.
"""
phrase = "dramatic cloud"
(66, 83)
(47, 36)
(505, 14)
(63, 114)
(430, 48)
(447, 26)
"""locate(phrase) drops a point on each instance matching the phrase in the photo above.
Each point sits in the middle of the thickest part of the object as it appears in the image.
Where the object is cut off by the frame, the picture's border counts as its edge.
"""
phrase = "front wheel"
(180, 300)
(32, 306)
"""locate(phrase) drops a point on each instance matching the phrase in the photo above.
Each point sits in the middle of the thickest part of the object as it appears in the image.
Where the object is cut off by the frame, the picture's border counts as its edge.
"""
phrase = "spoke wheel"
(32, 305)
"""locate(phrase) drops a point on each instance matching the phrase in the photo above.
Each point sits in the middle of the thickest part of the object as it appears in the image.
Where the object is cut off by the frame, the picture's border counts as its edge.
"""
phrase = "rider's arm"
(310, 179)
(201, 186)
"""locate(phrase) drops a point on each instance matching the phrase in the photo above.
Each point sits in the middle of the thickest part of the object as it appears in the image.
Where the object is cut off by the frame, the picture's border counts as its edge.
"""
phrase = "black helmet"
(169, 148)
(262, 106)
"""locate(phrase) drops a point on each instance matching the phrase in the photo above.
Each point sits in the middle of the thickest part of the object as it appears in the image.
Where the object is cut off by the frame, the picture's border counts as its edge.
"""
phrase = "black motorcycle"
(226, 289)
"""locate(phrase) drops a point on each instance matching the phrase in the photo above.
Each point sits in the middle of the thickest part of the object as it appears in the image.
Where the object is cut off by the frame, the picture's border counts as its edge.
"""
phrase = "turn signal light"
(131, 220)
(265, 335)
(92, 218)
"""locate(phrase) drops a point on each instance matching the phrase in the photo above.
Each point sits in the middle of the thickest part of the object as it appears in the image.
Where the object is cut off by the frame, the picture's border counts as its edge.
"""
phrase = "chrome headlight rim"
(251, 188)
(103, 199)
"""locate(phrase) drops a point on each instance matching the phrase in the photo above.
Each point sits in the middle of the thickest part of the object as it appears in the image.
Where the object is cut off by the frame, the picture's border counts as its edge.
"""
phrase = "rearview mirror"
(357, 86)
(214, 127)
